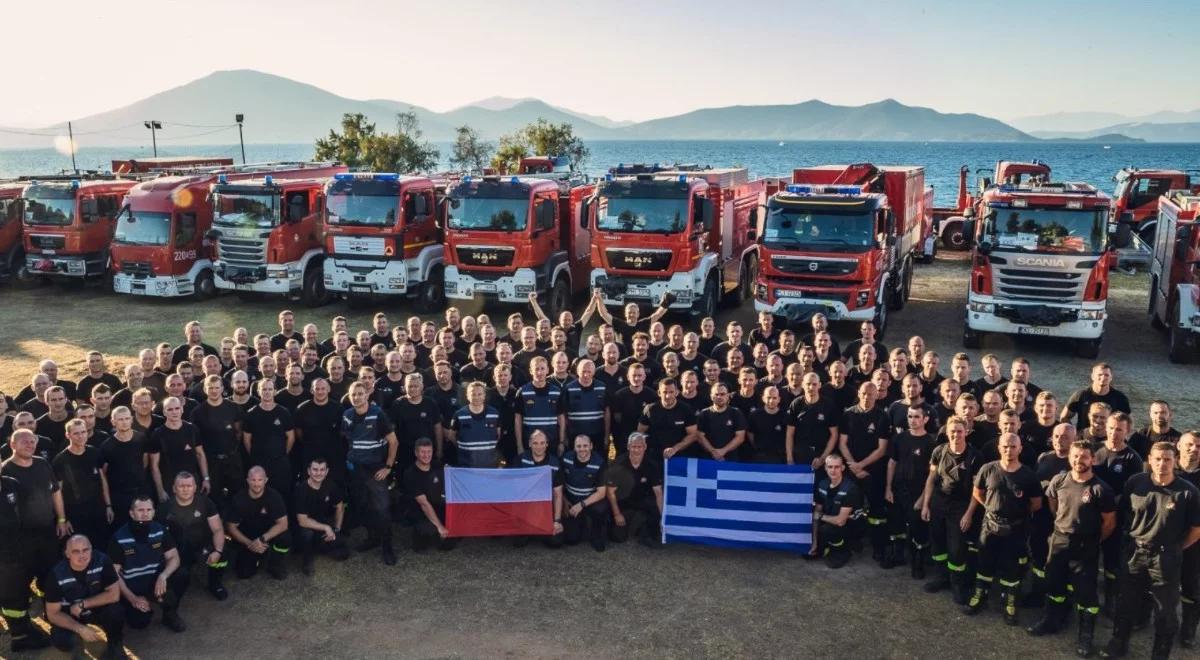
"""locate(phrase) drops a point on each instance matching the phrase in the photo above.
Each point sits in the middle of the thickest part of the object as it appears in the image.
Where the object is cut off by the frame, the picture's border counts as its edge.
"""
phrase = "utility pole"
(238, 118)
(71, 137)
(154, 125)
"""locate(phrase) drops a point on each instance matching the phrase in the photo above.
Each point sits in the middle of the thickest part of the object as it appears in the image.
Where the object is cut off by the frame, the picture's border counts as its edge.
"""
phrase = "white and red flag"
(499, 502)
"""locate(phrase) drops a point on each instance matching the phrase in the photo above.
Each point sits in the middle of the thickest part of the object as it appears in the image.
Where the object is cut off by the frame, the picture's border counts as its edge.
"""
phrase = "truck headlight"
(1091, 315)
(277, 271)
(161, 285)
(982, 308)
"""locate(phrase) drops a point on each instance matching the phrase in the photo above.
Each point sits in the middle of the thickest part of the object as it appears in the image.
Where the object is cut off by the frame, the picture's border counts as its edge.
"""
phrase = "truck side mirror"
(585, 207)
(1122, 236)
(706, 214)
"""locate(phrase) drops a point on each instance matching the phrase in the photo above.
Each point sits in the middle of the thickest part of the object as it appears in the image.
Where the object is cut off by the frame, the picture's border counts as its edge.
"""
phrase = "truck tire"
(746, 284)
(971, 338)
(707, 304)
(953, 237)
(1088, 349)
(432, 296)
(558, 299)
(1155, 322)
(1181, 347)
(313, 293)
(204, 288)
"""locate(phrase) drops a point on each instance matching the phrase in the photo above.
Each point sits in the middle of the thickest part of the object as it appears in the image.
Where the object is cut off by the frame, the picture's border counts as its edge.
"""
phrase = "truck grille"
(136, 268)
(1041, 285)
(803, 266)
(242, 251)
(48, 241)
(476, 255)
(639, 259)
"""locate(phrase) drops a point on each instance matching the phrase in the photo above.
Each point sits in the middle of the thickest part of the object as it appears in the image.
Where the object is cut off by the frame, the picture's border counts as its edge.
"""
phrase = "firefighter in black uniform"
(1189, 582)
(1084, 510)
(15, 563)
(908, 464)
(865, 430)
(81, 591)
(587, 509)
(538, 454)
(199, 534)
(838, 511)
(641, 509)
(1047, 466)
(1115, 462)
(1162, 519)
(147, 564)
(1009, 494)
(948, 505)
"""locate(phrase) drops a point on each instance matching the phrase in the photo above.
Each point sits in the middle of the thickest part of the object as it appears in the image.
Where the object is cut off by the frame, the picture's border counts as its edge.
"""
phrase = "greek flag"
(743, 505)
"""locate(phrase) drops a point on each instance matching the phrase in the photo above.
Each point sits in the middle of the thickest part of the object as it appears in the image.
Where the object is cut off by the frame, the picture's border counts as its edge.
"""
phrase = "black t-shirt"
(255, 516)
(268, 433)
(279, 340)
(1159, 515)
(1035, 441)
(954, 474)
(832, 499)
(83, 391)
(841, 397)
(863, 430)
(769, 433)
(666, 427)
(646, 477)
(626, 407)
(107, 578)
(318, 426)
(431, 483)
(1116, 467)
(1079, 505)
(897, 412)
(36, 492)
(320, 504)
(416, 420)
(388, 390)
(1146, 438)
(125, 464)
(218, 427)
(1081, 400)
(626, 331)
(180, 354)
(79, 476)
(1006, 495)
(177, 452)
(448, 401)
(189, 525)
(1050, 465)
(812, 422)
(720, 428)
(292, 401)
(911, 454)
(55, 430)
(850, 353)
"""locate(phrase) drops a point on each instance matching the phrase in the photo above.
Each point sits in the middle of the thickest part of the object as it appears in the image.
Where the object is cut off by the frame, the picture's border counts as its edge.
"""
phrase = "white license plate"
(485, 286)
(360, 289)
(1024, 330)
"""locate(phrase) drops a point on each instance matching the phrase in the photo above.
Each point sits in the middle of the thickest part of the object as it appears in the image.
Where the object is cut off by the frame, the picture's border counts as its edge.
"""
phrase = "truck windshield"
(139, 228)
(242, 210)
(374, 210)
(819, 230)
(644, 215)
(57, 211)
(489, 214)
(1049, 230)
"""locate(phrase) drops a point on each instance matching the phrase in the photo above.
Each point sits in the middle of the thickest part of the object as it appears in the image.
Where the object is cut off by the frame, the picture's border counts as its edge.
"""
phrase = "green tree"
(360, 146)
(540, 138)
(470, 153)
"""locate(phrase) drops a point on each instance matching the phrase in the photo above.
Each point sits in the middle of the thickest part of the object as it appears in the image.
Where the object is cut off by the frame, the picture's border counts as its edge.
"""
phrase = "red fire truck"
(687, 233)
(843, 240)
(1135, 200)
(269, 237)
(509, 236)
(948, 222)
(383, 236)
(1040, 261)
(1175, 274)
(12, 250)
(69, 224)
(159, 247)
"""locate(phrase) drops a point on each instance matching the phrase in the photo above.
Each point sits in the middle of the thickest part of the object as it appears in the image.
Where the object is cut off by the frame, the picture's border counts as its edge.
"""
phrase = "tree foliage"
(361, 146)
(540, 138)
(469, 152)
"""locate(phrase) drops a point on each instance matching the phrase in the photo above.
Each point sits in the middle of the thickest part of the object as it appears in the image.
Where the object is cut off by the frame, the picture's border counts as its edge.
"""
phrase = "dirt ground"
(486, 599)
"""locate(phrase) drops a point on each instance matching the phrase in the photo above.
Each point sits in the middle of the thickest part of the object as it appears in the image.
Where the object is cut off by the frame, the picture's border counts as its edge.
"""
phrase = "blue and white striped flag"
(744, 505)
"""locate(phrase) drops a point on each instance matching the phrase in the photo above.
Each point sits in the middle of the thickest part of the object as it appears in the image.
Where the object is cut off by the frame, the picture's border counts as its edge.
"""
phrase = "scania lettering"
(1040, 261)
(383, 235)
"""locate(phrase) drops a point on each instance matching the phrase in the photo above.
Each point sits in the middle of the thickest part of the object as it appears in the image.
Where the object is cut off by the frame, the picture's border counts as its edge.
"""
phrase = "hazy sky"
(623, 59)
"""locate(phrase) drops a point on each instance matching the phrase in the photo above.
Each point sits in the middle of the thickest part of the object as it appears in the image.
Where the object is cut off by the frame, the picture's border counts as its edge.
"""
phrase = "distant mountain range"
(281, 110)
(1166, 126)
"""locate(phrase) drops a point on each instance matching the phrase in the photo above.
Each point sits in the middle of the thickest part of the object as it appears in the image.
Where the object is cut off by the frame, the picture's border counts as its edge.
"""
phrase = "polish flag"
(499, 502)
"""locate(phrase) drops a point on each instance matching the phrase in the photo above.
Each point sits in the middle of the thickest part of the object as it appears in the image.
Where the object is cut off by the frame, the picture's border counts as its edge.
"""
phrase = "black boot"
(961, 587)
(1118, 646)
(216, 585)
(1051, 621)
(1109, 607)
(276, 564)
(977, 602)
(1187, 626)
(308, 564)
(389, 553)
(26, 636)
(1037, 591)
(917, 563)
(1087, 635)
(172, 621)
(940, 582)
(1008, 598)
(1162, 647)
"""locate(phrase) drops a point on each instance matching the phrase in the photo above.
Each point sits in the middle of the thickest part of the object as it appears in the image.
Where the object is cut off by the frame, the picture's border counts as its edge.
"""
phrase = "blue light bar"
(799, 190)
(222, 179)
(682, 178)
(515, 181)
(466, 179)
(387, 177)
(343, 176)
(608, 177)
(268, 180)
(74, 183)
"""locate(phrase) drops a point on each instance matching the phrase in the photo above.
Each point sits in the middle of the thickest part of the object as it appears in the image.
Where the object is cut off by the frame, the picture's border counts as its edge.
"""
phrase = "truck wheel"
(1088, 348)
(746, 283)
(953, 238)
(707, 305)
(204, 288)
(1181, 347)
(314, 293)
(895, 293)
(432, 296)
(1155, 322)
(971, 338)
(558, 300)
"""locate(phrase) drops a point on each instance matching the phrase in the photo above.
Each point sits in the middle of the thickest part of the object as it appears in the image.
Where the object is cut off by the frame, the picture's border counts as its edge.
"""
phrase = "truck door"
(1144, 194)
(420, 230)
(183, 243)
(98, 214)
(299, 230)
(546, 238)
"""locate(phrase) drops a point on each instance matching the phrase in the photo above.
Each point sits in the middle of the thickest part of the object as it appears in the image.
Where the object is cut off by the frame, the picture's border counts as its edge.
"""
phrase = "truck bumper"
(87, 265)
(367, 278)
(803, 310)
(1083, 321)
(646, 291)
(157, 286)
(272, 278)
(513, 288)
